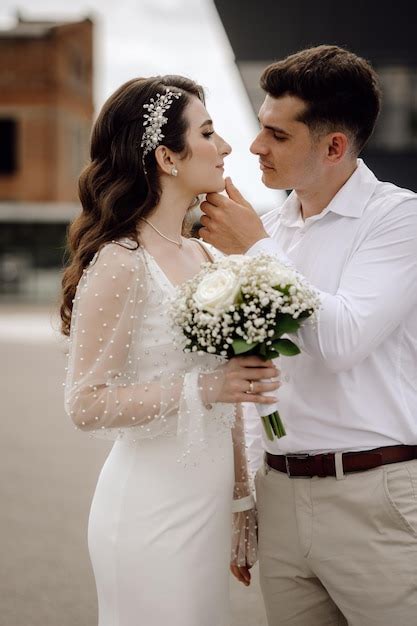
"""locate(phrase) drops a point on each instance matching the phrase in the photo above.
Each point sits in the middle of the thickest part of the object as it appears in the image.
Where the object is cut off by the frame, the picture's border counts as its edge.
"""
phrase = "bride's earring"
(174, 171)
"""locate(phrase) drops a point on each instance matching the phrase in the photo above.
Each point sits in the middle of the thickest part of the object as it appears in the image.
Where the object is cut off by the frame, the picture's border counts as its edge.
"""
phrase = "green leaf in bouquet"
(305, 314)
(285, 290)
(286, 347)
(240, 346)
(239, 298)
(286, 324)
(270, 354)
(263, 349)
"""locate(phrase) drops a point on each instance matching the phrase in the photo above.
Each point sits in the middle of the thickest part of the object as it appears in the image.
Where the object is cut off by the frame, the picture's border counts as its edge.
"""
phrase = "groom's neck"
(315, 198)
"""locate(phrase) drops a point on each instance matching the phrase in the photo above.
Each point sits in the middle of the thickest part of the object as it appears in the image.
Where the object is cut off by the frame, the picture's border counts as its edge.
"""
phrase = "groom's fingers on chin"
(204, 233)
(208, 208)
(215, 198)
(205, 206)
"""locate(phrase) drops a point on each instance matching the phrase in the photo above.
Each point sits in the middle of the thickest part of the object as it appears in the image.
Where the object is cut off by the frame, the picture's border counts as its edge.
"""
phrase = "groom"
(337, 497)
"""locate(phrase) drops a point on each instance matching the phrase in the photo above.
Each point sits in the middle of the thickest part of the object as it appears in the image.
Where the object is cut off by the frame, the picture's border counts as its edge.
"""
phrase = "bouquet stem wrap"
(271, 419)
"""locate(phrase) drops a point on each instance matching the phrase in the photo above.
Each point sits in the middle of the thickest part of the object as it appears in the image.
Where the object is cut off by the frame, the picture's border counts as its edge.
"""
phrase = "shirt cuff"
(267, 245)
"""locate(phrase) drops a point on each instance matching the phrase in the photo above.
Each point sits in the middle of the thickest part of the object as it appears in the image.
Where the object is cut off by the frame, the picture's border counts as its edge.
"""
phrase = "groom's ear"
(337, 146)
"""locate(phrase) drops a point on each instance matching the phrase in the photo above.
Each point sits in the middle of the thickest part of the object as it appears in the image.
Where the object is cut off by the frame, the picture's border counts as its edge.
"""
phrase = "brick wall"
(46, 82)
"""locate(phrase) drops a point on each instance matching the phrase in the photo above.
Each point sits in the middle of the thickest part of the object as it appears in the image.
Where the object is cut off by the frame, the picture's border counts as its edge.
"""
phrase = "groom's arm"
(376, 292)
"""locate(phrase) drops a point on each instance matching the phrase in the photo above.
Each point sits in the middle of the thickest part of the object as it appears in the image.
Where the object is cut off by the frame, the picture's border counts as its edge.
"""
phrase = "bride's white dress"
(160, 523)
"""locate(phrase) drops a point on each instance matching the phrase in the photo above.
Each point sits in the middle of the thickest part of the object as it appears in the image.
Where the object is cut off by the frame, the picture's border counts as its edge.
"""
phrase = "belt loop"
(338, 463)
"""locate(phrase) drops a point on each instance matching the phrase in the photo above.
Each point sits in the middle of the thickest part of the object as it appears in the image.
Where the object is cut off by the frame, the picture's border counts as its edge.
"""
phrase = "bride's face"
(202, 171)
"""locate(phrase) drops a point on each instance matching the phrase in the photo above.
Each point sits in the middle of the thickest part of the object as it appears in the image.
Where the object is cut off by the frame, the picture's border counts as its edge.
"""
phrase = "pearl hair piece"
(154, 119)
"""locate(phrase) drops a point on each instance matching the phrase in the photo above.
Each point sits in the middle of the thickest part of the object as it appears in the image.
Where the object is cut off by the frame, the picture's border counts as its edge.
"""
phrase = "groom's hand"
(230, 223)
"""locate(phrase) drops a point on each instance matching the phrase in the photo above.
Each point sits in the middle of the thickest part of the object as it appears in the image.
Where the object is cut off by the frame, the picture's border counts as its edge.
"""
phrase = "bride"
(160, 527)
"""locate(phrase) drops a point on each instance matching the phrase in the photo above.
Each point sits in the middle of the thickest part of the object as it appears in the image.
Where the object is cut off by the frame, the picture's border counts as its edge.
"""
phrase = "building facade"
(46, 112)
(46, 108)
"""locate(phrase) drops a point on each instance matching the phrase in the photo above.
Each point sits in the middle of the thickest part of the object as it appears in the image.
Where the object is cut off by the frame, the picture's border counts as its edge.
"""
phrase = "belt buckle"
(294, 456)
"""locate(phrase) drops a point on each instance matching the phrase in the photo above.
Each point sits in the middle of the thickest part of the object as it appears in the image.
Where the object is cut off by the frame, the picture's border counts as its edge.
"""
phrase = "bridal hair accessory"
(154, 119)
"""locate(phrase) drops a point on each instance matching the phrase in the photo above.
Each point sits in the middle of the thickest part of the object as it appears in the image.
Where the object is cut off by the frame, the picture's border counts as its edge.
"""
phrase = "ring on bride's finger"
(250, 390)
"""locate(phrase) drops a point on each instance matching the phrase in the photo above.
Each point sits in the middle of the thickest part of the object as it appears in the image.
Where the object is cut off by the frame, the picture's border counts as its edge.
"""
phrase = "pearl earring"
(174, 171)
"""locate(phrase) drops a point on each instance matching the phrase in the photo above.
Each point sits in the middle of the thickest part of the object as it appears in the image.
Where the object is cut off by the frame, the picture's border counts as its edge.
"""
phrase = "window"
(396, 128)
(8, 146)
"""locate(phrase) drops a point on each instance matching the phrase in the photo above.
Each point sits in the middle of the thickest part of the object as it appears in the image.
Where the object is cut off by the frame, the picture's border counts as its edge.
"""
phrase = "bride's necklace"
(177, 243)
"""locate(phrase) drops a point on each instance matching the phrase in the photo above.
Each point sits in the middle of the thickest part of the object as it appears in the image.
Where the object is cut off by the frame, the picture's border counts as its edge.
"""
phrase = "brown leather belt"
(308, 465)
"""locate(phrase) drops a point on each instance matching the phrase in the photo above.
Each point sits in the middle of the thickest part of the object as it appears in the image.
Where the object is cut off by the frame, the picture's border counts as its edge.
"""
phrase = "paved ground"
(47, 478)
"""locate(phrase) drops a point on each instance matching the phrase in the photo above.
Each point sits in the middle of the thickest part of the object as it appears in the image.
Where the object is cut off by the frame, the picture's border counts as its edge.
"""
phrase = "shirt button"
(287, 378)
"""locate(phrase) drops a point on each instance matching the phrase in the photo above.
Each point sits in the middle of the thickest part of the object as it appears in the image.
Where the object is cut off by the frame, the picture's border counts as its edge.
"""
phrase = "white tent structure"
(147, 37)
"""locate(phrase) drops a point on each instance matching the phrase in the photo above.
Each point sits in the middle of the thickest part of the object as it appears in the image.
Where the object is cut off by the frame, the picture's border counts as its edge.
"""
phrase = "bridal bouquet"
(244, 306)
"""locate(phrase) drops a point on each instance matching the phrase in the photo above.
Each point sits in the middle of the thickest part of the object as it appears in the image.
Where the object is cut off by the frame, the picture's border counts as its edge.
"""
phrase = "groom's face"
(288, 154)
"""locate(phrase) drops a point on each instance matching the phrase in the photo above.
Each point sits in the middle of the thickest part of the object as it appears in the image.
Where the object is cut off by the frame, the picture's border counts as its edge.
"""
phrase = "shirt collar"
(291, 211)
(350, 200)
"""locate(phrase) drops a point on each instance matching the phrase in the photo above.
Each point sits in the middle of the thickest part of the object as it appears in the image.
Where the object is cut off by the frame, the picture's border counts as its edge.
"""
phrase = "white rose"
(217, 291)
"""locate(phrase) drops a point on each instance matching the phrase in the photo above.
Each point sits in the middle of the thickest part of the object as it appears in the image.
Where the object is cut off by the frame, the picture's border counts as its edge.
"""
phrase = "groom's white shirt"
(354, 385)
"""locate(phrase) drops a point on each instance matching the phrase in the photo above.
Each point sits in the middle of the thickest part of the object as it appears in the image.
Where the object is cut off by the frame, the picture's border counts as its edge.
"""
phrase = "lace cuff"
(243, 499)
(243, 504)
(245, 538)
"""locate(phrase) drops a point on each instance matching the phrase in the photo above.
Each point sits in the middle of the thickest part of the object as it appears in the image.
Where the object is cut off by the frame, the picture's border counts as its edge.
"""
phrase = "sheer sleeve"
(244, 537)
(117, 386)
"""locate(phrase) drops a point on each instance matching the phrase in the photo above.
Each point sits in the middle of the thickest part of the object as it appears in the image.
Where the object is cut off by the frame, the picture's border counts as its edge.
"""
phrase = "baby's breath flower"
(268, 290)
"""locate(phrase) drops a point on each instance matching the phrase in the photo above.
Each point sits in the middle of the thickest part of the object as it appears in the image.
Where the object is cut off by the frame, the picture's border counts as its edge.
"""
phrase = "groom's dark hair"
(341, 90)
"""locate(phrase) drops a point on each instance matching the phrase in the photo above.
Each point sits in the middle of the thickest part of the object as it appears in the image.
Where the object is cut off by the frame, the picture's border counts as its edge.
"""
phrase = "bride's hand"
(243, 379)
(242, 574)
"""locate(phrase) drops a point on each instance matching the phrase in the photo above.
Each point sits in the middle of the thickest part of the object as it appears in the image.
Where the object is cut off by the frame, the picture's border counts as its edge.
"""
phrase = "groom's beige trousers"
(336, 552)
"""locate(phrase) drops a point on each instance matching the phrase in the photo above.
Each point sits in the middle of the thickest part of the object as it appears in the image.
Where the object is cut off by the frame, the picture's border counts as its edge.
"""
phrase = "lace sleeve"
(109, 389)
(244, 538)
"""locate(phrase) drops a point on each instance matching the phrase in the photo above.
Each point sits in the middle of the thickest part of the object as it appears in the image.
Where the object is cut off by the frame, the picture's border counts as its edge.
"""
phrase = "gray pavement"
(47, 478)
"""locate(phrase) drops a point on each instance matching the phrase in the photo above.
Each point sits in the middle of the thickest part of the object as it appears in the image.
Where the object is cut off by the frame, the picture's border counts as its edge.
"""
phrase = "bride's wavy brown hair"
(115, 189)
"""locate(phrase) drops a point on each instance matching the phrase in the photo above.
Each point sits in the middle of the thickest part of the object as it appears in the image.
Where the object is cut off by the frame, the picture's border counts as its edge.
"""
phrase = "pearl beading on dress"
(128, 377)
